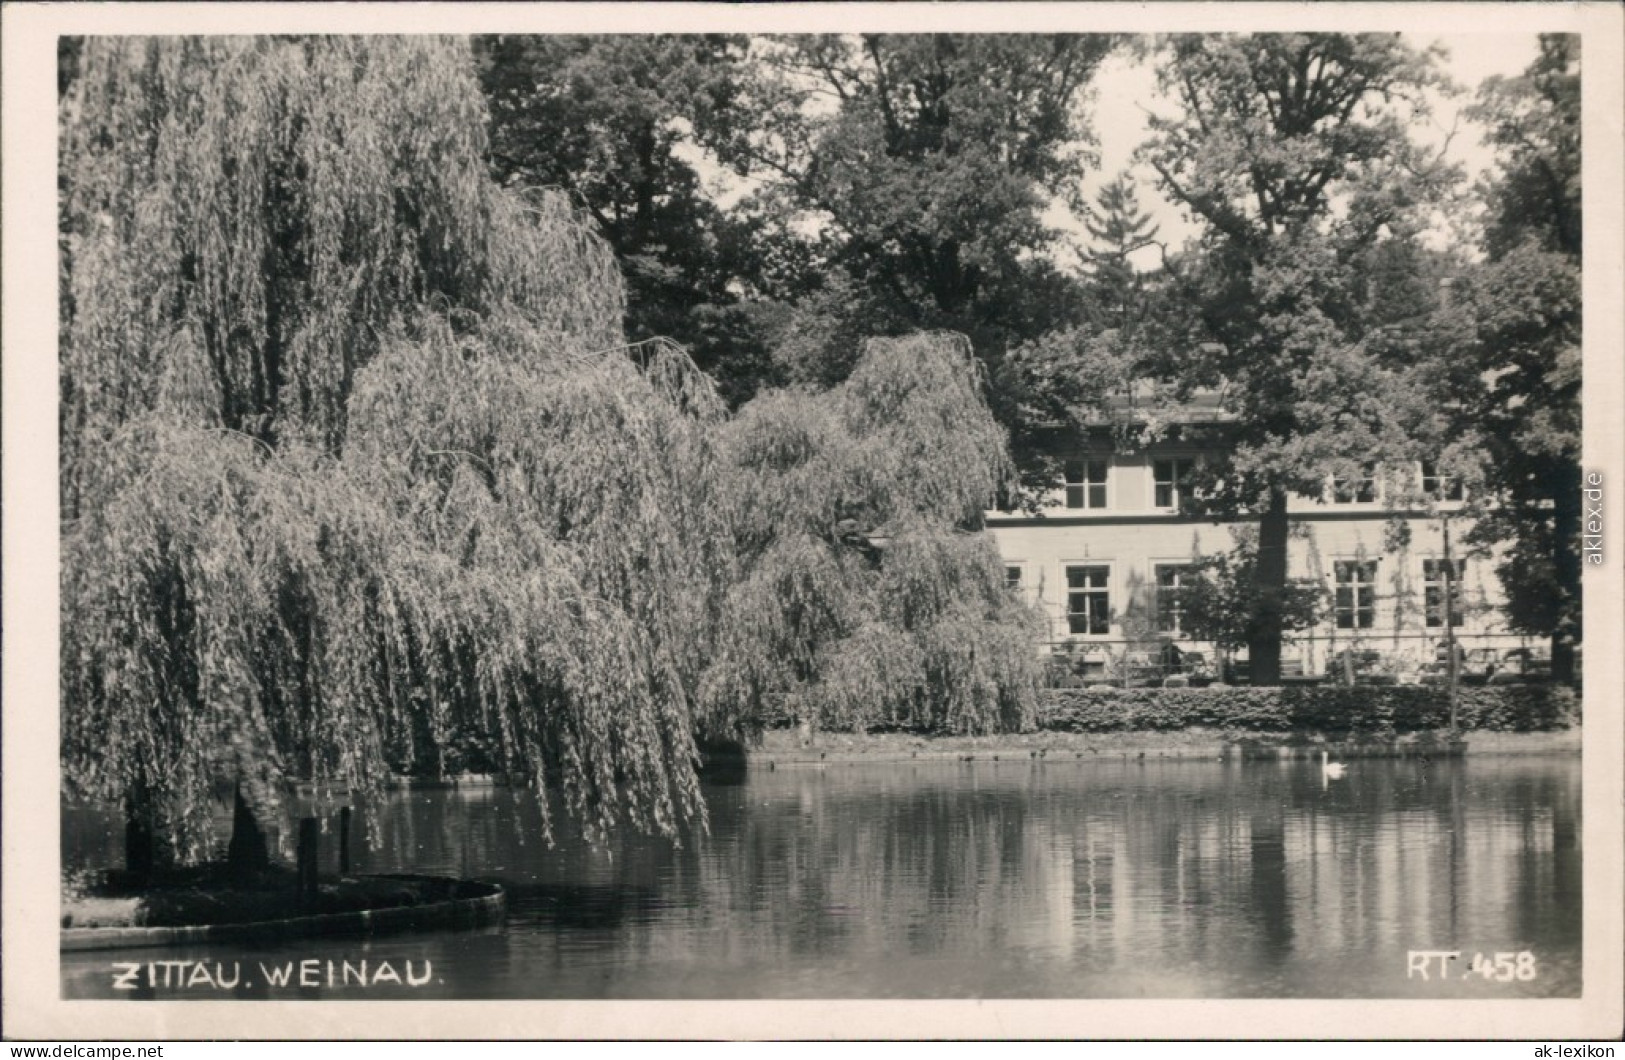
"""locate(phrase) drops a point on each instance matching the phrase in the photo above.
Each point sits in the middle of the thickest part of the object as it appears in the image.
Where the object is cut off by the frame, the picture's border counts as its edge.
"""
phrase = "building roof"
(1141, 402)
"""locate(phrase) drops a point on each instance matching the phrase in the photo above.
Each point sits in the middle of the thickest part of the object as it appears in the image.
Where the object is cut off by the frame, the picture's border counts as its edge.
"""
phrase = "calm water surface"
(1053, 878)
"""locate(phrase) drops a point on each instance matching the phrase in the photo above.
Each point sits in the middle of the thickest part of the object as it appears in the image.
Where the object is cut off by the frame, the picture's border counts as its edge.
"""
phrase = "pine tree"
(1118, 227)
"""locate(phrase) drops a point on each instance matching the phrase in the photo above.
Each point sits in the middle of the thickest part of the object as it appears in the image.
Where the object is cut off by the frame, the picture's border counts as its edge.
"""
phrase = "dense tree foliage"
(1118, 228)
(913, 171)
(1218, 597)
(865, 597)
(900, 183)
(1534, 123)
(338, 416)
(1292, 151)
(885, 184)
(1129, 326)
(611, 120)
(366, 453)
(1517, 319)
(357, 461)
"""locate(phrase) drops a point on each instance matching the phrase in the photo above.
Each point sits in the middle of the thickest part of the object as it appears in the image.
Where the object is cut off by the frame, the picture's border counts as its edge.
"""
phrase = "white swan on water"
(1330, 770)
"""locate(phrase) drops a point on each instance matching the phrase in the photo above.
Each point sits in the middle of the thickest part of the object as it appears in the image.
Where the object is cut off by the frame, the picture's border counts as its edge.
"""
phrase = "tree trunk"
(1269, 581)
(308, 861)
(1563, 670)
(247, 854)
(1566, 520)
(140, 843)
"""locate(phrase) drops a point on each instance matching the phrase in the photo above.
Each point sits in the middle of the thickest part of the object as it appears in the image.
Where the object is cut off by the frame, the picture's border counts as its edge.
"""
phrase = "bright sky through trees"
(1126, 94)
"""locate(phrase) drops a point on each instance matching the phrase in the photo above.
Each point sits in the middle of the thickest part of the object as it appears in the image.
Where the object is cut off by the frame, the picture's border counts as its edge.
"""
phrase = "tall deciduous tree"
(610, 120)
(1294, 152)
(1519, 317)
(916, 169)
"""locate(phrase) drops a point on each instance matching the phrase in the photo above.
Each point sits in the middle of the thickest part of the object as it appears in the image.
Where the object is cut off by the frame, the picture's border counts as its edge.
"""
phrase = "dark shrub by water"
(1513, 708)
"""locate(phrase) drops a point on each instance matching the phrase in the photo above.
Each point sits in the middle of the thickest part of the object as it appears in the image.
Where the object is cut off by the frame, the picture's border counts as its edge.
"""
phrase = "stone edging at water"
(781, 747)
(487, 908)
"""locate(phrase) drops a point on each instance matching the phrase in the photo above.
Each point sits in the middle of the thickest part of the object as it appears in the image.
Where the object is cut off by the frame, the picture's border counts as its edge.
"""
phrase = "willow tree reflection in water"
(1030, 878)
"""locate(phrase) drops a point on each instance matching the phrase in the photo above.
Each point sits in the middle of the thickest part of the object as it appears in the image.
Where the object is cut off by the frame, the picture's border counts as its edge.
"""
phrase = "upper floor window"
(1356, 597)
(1012, 578)
(1088, 600)
(1086, 483)
(1172, 478)
(1172, 579)
(1437, 576)
(1439, 485)
(1361, 489)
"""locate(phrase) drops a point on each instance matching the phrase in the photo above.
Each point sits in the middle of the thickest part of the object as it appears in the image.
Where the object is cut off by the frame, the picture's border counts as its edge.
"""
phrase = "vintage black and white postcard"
(901, 520)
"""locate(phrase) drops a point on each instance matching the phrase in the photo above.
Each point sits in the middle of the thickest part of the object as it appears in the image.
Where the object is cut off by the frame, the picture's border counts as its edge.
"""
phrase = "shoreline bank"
(782, 747)
(197, 915)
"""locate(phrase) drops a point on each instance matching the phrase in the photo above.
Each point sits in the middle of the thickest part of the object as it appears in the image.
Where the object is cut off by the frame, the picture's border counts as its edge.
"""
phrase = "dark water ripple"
(1022, 879)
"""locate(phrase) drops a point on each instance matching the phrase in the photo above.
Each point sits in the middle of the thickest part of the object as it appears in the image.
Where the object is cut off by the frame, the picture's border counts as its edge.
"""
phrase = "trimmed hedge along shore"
(1329, 709)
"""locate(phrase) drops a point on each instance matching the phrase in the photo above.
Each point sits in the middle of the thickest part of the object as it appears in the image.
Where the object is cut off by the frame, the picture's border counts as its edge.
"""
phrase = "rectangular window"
(1361, 490)
(1171, 477)
(1434, 573)
(1356, 603)
(1088, 600)
(1012, 578)
(1172, 579)
(1086, 483)
(1440, 486)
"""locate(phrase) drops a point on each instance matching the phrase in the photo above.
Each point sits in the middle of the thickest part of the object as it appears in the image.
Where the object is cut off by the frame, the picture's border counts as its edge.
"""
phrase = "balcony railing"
(1413, 659)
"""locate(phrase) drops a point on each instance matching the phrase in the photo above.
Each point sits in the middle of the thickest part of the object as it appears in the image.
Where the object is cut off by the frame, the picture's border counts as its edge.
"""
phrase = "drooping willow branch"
(292, 292)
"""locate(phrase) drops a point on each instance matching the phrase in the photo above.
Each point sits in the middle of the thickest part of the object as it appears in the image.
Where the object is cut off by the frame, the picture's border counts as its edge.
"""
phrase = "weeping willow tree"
(353, 454)
(554, 585)
(864, 593)
(356, 463)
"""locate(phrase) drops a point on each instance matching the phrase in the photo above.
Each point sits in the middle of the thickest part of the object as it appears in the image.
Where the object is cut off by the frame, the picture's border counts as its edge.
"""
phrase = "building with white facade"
(1103, 557)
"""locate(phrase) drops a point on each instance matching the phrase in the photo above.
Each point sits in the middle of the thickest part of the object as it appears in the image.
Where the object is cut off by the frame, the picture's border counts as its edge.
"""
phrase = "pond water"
(1057, 878)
